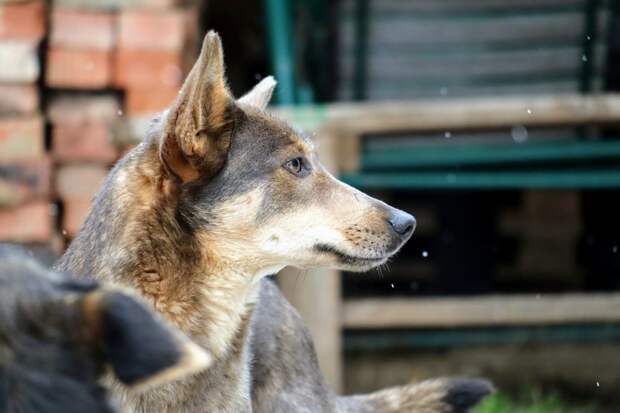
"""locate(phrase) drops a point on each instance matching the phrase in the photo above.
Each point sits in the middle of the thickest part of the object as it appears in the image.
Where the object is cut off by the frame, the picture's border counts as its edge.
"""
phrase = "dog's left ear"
(260, 95)
(198, 126)
(141, 349)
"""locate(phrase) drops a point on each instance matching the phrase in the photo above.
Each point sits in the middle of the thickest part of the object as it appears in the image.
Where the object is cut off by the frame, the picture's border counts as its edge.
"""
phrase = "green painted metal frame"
(487, 154)
(438, 338)
(292, 89)
(532, 179)
(277, 13)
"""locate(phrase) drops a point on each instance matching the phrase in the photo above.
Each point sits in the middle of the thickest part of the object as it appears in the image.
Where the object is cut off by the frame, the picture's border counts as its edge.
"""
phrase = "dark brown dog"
(58, 335)
(219, 195)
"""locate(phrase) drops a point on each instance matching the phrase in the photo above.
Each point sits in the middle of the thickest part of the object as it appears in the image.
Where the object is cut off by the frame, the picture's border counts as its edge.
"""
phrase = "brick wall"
(82, 72)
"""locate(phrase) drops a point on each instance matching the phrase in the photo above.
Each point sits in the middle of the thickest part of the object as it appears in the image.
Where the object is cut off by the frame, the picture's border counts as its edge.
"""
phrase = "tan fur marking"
(90, 310)
(193, 360)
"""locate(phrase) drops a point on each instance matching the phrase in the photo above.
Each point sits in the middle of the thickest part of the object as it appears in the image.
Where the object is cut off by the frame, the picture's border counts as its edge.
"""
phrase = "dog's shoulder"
(285, 373)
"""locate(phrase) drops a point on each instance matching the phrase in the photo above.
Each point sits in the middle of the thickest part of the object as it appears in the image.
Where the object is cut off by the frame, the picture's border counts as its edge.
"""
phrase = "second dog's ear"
(198, 126)
(141, 350)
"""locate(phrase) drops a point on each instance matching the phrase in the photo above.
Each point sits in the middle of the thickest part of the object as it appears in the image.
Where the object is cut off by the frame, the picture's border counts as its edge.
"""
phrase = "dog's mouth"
(352, 262)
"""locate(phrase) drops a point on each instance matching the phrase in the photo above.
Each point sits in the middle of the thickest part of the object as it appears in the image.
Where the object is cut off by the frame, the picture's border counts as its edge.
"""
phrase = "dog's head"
(58, 335)
(254, 188)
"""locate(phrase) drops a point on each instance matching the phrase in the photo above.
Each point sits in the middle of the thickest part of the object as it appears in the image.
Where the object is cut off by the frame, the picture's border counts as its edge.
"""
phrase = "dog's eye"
(297, 166)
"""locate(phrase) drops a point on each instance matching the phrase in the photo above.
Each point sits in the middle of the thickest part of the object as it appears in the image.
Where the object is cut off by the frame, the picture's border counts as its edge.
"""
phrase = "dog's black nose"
(402, 223)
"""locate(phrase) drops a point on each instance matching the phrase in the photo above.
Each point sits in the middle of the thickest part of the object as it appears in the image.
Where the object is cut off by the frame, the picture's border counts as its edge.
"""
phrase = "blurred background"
(495, 122)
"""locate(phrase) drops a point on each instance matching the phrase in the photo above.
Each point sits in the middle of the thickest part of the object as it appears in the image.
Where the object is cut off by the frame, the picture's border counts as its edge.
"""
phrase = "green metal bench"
(424, 57)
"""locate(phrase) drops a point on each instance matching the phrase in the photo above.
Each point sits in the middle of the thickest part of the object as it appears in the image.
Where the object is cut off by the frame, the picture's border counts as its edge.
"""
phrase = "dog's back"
(287, 376)
(58, 335)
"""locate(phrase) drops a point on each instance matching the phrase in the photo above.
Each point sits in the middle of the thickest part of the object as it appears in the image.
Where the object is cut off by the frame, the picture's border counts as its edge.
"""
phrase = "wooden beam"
(474, 113)
(496, 310)
(461, 114)
(425, 115)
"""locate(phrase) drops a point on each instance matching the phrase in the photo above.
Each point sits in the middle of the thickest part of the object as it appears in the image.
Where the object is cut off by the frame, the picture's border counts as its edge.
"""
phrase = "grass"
(532, 403)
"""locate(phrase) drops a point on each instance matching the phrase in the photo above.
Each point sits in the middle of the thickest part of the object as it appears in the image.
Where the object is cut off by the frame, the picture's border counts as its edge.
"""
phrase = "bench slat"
(487, 154)
(496, 335)
(543, 179)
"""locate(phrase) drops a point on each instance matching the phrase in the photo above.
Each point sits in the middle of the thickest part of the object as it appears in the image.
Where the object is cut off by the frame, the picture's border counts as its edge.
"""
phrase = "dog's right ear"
(198, 126)
(141, 349)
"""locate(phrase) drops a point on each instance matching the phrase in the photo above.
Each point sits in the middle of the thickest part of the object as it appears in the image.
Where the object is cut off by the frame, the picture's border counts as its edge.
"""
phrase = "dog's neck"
(132, 237)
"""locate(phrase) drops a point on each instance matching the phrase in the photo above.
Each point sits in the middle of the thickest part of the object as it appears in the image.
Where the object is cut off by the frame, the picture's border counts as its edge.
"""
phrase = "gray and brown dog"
(219, 195)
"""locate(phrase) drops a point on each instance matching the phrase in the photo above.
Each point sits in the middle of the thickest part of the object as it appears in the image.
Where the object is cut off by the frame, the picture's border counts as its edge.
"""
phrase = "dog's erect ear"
(198, 126)
(141, 349)
(260, 95)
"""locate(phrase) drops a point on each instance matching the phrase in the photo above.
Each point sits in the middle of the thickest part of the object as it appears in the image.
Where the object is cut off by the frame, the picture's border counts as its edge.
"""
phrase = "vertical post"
(281, 49)
(361, 50)
(316, 294)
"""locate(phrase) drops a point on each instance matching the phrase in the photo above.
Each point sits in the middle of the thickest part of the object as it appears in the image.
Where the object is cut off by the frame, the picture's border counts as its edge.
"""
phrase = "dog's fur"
(58, 335)
(219, 195)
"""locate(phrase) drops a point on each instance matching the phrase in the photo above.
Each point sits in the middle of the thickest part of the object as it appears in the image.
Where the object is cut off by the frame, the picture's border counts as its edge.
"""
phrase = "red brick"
(26, 223)
(132, 130)
(21, 139)
(22, 20)
(152, 30)
(24, 67)
(24, 181)
(140, 68)
(79, 69)
(83, 108)
(84, 30)
(148, 101)
(90, 141)
(74, 214)
(79, 181)
(18, 99)
(115, 4)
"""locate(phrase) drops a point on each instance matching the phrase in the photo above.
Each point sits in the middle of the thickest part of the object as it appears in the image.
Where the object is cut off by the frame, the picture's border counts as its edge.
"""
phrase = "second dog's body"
(58, 335)
(218, 196)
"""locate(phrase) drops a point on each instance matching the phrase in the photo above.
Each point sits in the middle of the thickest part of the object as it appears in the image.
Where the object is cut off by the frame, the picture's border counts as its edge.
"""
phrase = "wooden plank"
(470, 113)
(448, 114)
(509, 310)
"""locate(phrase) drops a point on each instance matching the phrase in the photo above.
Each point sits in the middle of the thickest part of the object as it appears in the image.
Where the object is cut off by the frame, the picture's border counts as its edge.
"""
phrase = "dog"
(219, 195)
(59, 334)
